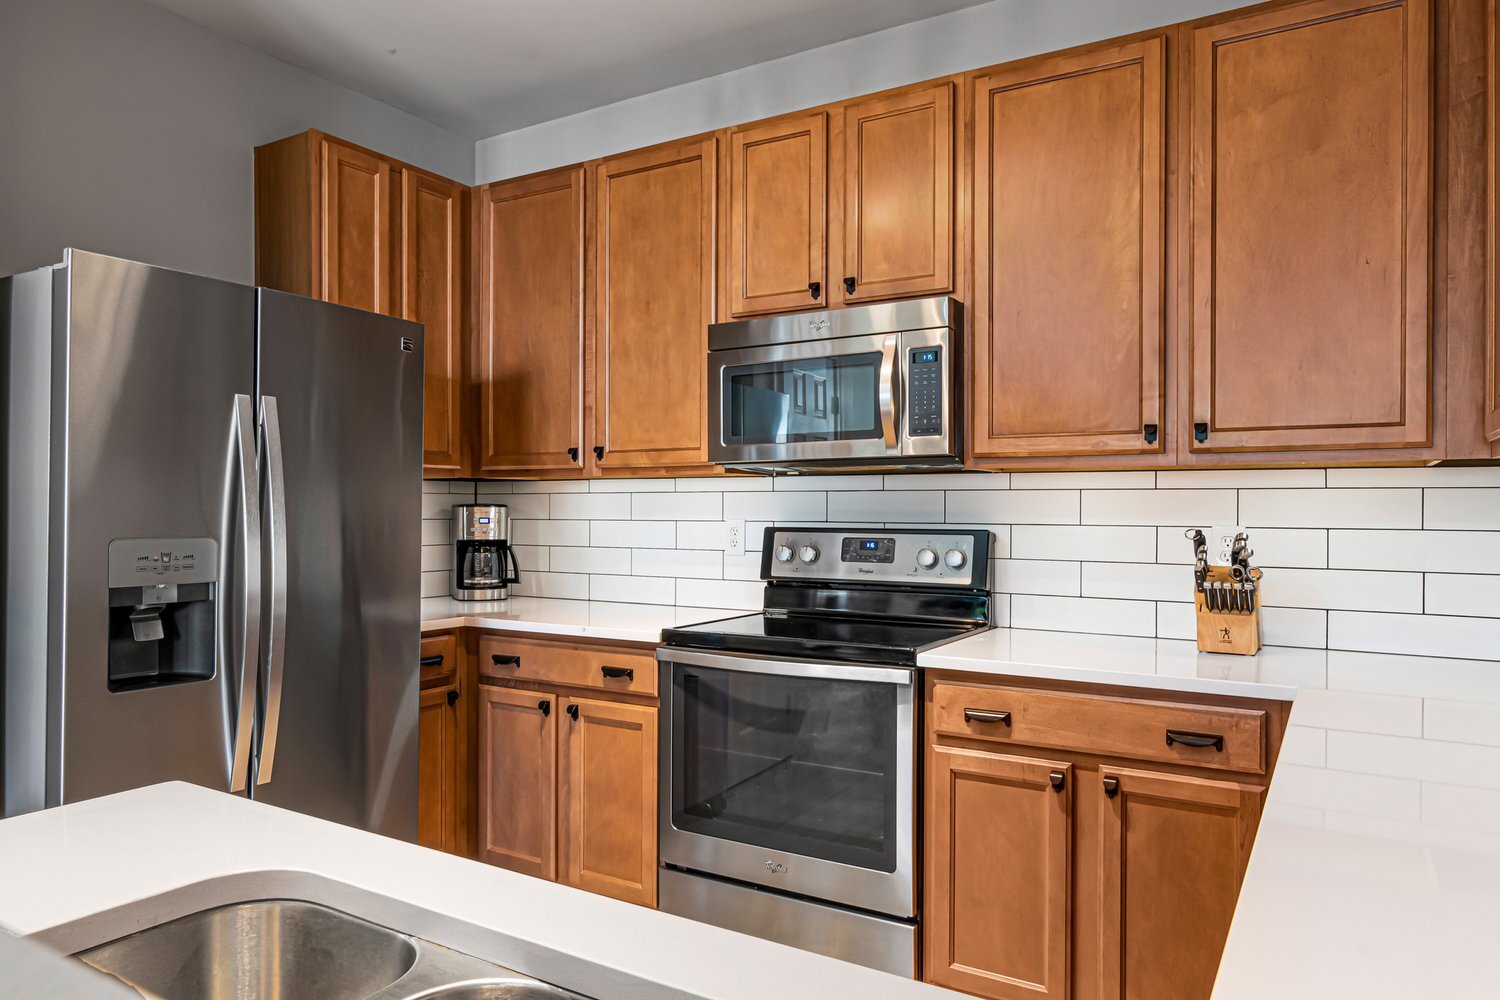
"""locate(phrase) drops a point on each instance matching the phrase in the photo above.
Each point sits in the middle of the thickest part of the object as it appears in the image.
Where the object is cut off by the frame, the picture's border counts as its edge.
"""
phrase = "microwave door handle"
(888, 402)
(277, 567)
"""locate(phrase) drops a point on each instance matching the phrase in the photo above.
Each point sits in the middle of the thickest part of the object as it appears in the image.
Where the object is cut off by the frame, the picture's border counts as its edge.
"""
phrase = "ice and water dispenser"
(161, 611)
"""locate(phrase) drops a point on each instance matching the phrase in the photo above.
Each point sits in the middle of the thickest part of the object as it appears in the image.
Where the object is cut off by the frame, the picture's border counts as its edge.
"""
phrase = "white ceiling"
(483, 67)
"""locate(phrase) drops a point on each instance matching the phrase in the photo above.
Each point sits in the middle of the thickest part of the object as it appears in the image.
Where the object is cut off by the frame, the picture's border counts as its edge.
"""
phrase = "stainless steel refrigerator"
(212, 551)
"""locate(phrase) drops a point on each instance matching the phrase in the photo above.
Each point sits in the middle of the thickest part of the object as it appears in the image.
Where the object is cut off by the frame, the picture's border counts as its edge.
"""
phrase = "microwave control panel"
(924, 390)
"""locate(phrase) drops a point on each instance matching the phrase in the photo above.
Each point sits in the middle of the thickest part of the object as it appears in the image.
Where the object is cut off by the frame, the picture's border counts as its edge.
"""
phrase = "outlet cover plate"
(1221, 543)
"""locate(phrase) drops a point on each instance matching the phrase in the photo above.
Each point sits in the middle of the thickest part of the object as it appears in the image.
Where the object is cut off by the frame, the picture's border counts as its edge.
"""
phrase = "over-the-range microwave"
(873, 387)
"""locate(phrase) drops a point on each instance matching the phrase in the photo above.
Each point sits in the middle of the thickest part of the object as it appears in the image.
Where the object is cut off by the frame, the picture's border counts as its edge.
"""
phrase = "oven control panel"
(889, 555)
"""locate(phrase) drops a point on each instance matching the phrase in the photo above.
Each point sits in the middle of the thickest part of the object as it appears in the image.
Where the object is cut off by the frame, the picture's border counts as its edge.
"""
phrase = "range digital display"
(874, 550)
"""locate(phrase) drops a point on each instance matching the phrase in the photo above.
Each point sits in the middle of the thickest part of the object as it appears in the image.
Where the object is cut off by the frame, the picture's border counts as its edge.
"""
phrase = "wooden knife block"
(1227, 633)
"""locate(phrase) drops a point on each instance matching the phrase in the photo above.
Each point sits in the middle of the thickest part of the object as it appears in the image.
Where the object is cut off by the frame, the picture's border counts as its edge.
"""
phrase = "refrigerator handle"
(276, 564)
(241, 466)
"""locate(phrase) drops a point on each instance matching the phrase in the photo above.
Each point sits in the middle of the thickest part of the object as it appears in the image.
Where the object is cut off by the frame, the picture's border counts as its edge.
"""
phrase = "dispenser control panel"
(152, 562)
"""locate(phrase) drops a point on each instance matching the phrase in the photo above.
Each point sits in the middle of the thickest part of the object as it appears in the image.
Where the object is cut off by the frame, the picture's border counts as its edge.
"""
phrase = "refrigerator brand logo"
(407, 345)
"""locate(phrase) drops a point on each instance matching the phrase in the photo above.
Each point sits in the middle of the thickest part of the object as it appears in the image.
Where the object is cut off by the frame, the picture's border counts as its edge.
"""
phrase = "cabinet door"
(518, 780)
(530, 343)
(1311, 158)
(653, 238)
(778, 215)
(437, 764)
(433, 268)
(1173, 853)
(607, 802)
(999, 859)
(898, 195)
(1069, 187)
(360, 221)
(1492, 320)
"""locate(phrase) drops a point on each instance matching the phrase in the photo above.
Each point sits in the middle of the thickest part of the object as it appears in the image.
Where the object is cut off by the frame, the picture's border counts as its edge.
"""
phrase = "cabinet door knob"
(1195, 739)
(616, 672)
(501, 660)
(573, 712)
(1150, 432)
(816, 288)
(545, 707)
(573, 454)
(453, 697)
(979, 715)
(1200, 433)
(849, 286)
(598, 452)
(1058, 779)
(1111, 787)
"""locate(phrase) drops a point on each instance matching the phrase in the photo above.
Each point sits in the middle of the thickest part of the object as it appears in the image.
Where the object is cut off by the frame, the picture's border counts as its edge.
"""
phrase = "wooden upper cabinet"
(361, 223)
(1492, 320)
(607, 798)
(518, 780)
(898, 195)
(1069, 187)
(654, 286)
(997, 884)
(434, 275)
(1173, 851)
(778, 216)
(529, 350)
(1310, 243)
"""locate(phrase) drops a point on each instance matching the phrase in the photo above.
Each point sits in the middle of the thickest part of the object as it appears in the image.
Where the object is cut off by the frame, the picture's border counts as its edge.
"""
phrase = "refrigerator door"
(341, 446)
(153, 376)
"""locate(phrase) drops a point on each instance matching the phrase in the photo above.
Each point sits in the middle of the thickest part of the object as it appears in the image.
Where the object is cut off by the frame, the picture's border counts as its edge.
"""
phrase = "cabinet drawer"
(563, 663)
(439, 660)
(1235, 738)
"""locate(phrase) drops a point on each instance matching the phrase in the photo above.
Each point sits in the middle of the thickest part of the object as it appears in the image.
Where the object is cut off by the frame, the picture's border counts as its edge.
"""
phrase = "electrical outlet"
(734, 537)
(1221, 543)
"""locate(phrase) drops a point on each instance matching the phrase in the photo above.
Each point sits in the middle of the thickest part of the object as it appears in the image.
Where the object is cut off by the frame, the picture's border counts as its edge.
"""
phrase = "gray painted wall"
(127, 130)
(995, 32)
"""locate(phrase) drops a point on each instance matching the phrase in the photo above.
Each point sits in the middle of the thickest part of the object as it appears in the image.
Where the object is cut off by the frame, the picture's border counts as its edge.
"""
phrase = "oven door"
(836, 400)
(795, 776)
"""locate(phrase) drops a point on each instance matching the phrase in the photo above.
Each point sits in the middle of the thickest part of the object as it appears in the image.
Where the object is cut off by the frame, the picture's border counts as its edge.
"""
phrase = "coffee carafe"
(484, 565)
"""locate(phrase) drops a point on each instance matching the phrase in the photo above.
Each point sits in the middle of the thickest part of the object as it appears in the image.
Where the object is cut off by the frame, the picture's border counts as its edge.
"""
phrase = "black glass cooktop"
(810, 637)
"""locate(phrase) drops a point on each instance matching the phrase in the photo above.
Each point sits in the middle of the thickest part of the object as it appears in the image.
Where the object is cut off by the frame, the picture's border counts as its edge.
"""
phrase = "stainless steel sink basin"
(265, 950)
(289, 949)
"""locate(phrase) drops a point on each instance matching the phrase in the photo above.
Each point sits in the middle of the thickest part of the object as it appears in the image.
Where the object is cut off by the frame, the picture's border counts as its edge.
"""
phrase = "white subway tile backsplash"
(1083, 614)
(1196, 507)
(1239, 479)
(1463, 594)
(438, 557)
(701, 535)
(524, 532)
(1296, 547)
(1036, 576)
(484, 488)
(633, 589)
(1138, 581)
(1461, 509)
(551, 486)
(434, 486)
(1331, 508)
(591, 506)
(632, 485)
(827, 484)
(1454, 476)
(745, 594)
(532, 558)
(912, 506)
(590, 559)
(438, 506)
(678, 562)
(1422, 635)
(948, 481)
(1014, 507)
(1082, 480)
(677, 506)
(726, 484)
(1083, 543)
(1294, 627)
(1347, 590)
(743, 567)
(435, 584)
(1438, 678)
(565, 586)
(630, 534)
(1176, 621)
(1432, 551)
(535, 506)
(786, 507)
(1461, 721)
(436, 532)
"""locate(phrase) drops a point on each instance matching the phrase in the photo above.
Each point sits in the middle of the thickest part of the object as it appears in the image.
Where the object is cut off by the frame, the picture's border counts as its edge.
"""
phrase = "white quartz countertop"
(577, 619)
(1376, 870)
(66, 864)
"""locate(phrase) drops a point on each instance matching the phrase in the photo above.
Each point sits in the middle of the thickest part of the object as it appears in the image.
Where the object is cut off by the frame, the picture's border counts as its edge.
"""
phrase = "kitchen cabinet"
(653, 238)
(777, 215)
(1492, 318)
(1086, 842)
(341, 223)
(568, 750)
(999, 862)
(898, 183)
(1310, 150)
(441, 747)
(530, 340)
(518, 780)
(607, 799)
(1069, 329)
(1173, 850)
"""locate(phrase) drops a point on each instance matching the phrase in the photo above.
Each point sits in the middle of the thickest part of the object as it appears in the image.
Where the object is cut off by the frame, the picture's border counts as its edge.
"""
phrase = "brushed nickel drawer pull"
(1195, 739)
(980, 715)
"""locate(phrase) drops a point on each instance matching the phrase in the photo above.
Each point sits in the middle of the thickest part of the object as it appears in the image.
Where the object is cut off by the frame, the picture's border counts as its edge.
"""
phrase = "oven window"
(795, 764)
(819, 399)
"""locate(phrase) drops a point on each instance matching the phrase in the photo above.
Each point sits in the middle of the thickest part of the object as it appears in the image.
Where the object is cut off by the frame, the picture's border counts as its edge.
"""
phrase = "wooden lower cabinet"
(442, 775)
(607, 798)
(999, 864)
(518, 780)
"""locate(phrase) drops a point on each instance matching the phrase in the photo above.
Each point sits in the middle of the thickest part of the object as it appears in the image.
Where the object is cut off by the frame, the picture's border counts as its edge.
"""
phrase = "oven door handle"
(889, 392)
(899, 676)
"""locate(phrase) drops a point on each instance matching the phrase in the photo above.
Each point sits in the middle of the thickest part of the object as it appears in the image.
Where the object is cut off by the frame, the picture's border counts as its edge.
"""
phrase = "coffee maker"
(484, 566)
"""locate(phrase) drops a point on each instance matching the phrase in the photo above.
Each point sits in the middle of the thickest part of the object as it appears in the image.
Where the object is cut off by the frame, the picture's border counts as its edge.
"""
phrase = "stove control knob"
(955, 559)
(784, 553)
(927, 558)
(809, 553)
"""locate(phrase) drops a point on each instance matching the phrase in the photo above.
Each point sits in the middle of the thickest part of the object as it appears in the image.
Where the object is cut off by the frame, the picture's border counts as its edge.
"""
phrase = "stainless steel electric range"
(789, 757)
